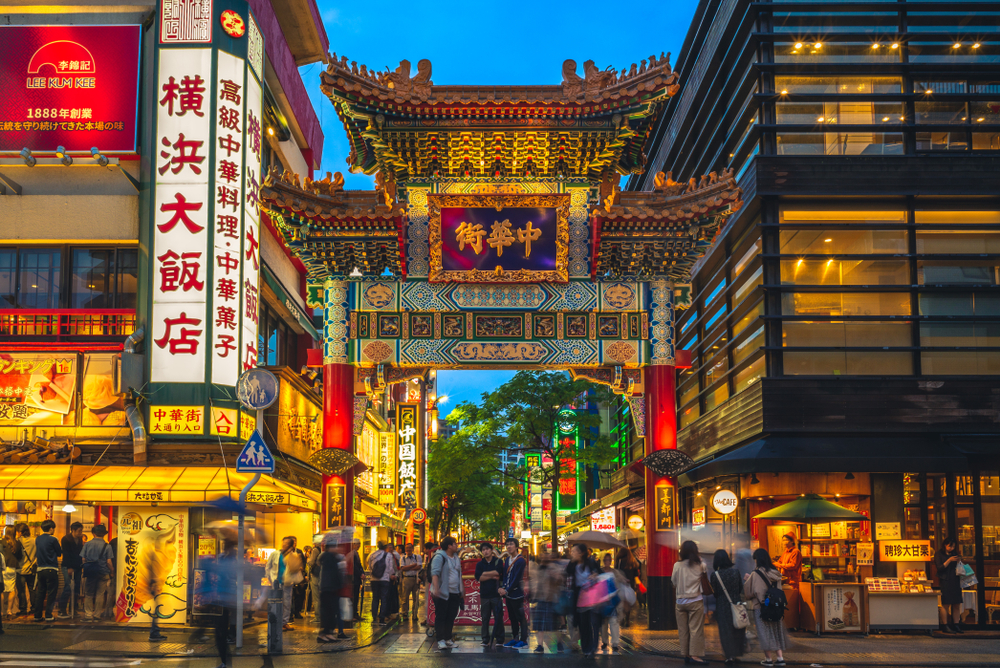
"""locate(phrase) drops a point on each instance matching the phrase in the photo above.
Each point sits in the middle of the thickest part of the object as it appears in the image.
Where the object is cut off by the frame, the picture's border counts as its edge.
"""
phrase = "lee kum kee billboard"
(71, 86)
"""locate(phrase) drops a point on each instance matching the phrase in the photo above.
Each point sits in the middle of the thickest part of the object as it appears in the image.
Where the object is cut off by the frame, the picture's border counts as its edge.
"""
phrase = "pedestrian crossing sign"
(255, 458)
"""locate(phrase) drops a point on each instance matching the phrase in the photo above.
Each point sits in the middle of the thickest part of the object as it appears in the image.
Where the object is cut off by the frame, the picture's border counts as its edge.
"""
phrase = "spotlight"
(849, 476)
(798, 45)
(928, 91)
(29, 159)
(63, 156)
(101, 159)
(895, 45)
(270, 131)
(956, 45)
(976, 45)
(753, 479)
(819, 45)
(980, 120)
(819, 120)
(875, 46)
(885, 119)
(784, 92)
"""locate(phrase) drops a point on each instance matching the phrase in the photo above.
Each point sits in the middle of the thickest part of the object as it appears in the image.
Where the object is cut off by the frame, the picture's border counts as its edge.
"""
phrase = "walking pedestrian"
(512, 589)
(947, 561)
(489, 572)
(448, 591)
(72, 543)
(382, 567)
(331, 581)
(97, 566)
(224, 577)
(28, 568)
(9, 577)
(391, 606)
(313, 570)
(628, 566)
(357, 570)
(688, 578)
(771, 635)
(409, 566)
(546, 579)
(610, 628)
(284, 571)
(727, 586)
(47, 552)
(743, 559)
(582, 572)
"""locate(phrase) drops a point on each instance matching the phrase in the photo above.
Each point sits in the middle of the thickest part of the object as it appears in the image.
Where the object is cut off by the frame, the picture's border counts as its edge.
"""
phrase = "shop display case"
(907, 604)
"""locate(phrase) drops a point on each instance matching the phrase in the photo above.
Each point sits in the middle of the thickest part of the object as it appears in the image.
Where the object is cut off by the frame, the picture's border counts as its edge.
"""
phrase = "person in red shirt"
(790, 561)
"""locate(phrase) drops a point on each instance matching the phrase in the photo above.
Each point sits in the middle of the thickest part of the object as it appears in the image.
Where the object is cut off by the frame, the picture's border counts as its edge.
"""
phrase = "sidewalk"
(974, 648)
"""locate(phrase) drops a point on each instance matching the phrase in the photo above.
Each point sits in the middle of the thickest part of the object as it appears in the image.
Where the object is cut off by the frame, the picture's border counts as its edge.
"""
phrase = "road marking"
(406, 643)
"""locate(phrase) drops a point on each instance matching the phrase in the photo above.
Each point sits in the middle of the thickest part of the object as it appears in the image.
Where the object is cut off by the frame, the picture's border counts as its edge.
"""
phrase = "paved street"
(115, 647)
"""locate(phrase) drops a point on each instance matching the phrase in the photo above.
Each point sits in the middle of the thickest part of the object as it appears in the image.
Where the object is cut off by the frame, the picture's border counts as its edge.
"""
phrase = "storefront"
(165, 518)
(885, 566)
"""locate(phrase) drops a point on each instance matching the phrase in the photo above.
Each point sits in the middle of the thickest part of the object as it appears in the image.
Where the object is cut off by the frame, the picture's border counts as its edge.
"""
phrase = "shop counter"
(894, 610)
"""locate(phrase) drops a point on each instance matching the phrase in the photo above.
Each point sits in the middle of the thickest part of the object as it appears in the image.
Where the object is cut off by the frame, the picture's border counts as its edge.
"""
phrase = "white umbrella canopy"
(629, 533)
(595, 539)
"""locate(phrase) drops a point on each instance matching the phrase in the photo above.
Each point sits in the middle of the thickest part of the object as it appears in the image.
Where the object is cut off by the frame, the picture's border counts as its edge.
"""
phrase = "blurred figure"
(546, 578)
(312, 569)
(628, 566)
(284, 571)
(72, 543)
(743, 559)
(331, 580)
(47, 551)
(609, 624)
(9, 577)
(223, 575)
(97, 565)
(357, 570)
(154, 572)
(687, 579)
(26, 571)
(581, 572)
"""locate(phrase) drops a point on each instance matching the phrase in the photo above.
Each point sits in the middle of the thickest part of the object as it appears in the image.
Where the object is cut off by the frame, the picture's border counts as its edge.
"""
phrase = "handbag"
(967, 577)
(741, 619)
(706, 586)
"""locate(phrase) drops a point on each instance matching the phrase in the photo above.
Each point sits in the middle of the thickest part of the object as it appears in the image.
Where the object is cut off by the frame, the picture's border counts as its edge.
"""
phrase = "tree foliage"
(522, 416)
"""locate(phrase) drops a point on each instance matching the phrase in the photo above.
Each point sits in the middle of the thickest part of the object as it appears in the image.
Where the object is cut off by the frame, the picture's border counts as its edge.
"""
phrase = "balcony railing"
(62, 323)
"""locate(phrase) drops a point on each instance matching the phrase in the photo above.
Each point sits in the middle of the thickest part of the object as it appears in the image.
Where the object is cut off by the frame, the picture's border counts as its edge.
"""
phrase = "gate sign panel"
(499, 238)
(70, 86)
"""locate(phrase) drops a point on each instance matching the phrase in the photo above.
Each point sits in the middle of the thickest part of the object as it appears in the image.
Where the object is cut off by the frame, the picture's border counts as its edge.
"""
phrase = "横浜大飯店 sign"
(70, 86)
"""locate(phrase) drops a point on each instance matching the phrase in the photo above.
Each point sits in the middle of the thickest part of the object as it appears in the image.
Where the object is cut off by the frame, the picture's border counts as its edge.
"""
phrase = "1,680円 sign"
(70, 86)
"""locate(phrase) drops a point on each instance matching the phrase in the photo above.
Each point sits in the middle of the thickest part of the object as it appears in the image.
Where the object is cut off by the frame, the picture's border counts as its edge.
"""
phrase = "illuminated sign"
(725, 502)
(177, 420)
(603, 520)
(336, 505)
(152, 548)
(70, 86)
(408, 454)
(664, 493)
(904, 550)
(387, 470)
(225, 422)
(570, 495)
(205, 244)
(636, 522)
(698, 517)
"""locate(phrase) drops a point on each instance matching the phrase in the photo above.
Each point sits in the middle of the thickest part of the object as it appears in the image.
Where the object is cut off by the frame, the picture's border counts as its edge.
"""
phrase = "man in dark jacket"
(357, 569)
(512, 589)
(47, 551)
(489, 572)
(72, 543)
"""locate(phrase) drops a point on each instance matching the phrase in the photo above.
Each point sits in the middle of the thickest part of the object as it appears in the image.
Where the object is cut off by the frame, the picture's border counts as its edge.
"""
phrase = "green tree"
(523, 416)
(462, 477)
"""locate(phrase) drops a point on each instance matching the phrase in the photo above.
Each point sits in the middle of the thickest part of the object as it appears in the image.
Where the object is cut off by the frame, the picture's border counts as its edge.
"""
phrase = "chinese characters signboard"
(904, 550)
(387, 470)
(664, 507)
(152, 548)
(71, 86)
(499, 238)
(185, 21)
(177, 420)
(409, 460)
(336, 505)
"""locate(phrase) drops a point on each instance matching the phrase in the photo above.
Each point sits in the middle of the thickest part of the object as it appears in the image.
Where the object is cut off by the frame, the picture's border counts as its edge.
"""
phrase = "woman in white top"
(687, 578)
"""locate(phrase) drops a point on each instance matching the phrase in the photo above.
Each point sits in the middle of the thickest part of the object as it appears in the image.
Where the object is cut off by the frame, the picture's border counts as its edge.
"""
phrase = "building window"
(844, 272)
(833, 52)
(749, 375)
(92, 278)
(845, 334)
(840, 143)
(841, 113)
(959, 303)
(827, 217)
(748, 318)
(845, 303)
(103, 278)
(39, 278)
(715, 398)
(842, 242)
(749, 346)
(808, 85)
(689, 415)
(847, 363)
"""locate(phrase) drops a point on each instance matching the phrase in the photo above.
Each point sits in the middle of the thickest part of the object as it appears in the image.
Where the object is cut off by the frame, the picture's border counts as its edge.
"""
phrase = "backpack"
(772, 608)
(378, 568)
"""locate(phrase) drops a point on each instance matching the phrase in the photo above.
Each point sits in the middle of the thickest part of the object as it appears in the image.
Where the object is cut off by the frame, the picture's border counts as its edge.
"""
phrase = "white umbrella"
(628, 533)
(595, 539)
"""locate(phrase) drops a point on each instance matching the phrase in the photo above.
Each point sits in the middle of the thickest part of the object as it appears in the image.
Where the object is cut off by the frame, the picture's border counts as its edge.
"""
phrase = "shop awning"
(117, 485)
(793, 454)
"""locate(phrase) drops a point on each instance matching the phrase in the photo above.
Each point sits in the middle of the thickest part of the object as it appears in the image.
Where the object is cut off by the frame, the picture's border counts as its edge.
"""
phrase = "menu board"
(882, 584)
(866, 554)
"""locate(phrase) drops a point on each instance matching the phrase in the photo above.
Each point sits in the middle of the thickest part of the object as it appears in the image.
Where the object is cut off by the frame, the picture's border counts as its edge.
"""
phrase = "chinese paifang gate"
(498, 237)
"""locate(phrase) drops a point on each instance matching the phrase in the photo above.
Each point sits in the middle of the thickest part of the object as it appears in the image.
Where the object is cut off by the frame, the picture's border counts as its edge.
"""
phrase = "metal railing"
(60, 323)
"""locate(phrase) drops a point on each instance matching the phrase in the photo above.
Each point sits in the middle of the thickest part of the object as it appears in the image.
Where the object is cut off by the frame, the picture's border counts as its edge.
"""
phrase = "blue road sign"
(255, 458)
(257, 389)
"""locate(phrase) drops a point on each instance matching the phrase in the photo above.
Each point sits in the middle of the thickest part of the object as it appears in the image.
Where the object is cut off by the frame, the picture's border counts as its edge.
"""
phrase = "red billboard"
(71, 86)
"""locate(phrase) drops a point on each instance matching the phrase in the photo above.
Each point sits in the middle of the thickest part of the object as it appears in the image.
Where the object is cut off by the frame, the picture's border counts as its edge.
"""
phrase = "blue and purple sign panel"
(483, 238)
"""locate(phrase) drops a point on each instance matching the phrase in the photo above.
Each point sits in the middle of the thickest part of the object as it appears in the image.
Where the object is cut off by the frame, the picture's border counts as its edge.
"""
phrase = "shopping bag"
(598, 593)
(346, 608)
(627, 594)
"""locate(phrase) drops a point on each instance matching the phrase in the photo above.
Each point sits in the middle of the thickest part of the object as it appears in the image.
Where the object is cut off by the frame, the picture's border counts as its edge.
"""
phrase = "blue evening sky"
(487, 43)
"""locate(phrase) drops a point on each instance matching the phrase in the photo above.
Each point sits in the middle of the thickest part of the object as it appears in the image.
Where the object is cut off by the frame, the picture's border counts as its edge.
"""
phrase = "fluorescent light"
(69, 508)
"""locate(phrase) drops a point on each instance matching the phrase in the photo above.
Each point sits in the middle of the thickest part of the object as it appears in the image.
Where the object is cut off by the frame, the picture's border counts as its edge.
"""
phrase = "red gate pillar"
(661, 527)
(338, 421)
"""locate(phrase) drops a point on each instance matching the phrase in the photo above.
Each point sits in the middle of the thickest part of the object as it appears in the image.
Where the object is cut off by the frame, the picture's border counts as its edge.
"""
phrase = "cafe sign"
(725, 502)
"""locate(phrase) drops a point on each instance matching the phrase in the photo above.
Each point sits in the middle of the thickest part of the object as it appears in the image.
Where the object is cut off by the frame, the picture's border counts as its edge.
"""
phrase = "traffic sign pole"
(241, 542)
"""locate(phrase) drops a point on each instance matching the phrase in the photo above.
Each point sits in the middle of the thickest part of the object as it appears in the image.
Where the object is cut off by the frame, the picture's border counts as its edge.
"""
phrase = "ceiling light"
(699, 493)
(753, 479)
(820, 119)
(884, 119)
(928, 91)
(827, 240)
(956, 45)
(980, 120)
(875, 46)
(976, 45)
(819, 45)
(270, 131)
(902, 118)
(849, 476)
(798, 45)
(895, 46)
(784, 92)
(69, 508)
